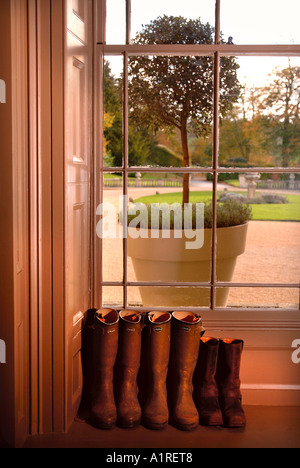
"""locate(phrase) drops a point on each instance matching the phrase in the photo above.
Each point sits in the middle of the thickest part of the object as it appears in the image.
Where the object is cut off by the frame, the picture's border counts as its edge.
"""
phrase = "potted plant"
(175, 93)
(165, 259)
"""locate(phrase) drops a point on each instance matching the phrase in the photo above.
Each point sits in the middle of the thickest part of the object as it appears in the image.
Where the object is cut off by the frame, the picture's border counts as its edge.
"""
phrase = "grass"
(263, 212)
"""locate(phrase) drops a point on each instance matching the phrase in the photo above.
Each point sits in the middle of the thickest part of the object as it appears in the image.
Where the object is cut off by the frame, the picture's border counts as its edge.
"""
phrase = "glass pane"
(171, 111)
(261, 22)
(113, 112)
(112, 297)
(173, 250)
(155, 296)
(109, 229)
(256, 252)
(143, 13)
(115, 23)
(262, 127)
(260, 297)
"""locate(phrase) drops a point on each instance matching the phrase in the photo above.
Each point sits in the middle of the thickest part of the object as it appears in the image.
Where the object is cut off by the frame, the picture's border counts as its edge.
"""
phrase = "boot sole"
(129, 426)
(105, 427)
(154, 426)
(187, 427)
(211, 422)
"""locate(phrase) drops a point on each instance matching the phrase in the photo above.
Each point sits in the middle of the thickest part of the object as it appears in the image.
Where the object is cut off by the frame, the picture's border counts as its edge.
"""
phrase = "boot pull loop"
(143, 320)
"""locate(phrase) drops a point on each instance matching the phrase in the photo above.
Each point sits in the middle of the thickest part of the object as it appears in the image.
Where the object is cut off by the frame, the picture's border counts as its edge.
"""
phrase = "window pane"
(155, 296)
(168, 255)
(112, 296)
(145, 12)
(115, 21)
(113, 112)
(109, 228)
(262, 128)
(257, 253)
(285, 298)
(261, 22)
(171, 111)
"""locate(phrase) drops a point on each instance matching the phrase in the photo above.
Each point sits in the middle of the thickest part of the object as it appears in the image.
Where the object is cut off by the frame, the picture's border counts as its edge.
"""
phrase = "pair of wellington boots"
(172, 345)
(116, 355)
(217, 383)
(117, 338)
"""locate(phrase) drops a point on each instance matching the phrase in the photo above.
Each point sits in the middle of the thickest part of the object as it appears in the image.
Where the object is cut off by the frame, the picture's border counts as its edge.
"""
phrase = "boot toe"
(186, 422)
(156, 421)
(235, 420)
(129, 419)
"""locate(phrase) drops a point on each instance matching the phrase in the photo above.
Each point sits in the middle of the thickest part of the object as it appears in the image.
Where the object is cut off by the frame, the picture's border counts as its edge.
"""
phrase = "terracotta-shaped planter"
(168, 260)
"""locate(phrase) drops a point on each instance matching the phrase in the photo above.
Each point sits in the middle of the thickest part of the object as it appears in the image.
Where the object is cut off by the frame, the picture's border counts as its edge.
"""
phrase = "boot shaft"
(207, 362)
(229, 364)
(130, 339)
(158, 339)
(187, 330)
(106, 337)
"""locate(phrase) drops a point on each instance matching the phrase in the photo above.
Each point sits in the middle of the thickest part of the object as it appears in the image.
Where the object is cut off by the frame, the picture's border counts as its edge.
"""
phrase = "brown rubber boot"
(129, 355)
(105, 346)
(206, 393)
(228, 381)
(158, 336)
(186, 332)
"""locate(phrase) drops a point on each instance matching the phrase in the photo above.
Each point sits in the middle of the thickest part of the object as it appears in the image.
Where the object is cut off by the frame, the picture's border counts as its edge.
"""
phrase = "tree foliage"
(175, 91)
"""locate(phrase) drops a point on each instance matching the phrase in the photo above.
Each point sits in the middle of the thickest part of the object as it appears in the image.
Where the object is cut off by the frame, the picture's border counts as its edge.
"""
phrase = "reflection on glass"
(263, 297)
(261, 22)
(154, 296)
(271, 238)
(263, 128)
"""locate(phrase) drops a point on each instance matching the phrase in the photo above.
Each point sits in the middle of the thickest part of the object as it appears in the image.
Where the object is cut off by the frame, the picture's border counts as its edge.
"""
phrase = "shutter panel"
(78, 134)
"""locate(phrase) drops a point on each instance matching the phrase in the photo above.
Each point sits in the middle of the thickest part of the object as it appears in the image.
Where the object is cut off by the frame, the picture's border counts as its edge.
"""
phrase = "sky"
(247, 21)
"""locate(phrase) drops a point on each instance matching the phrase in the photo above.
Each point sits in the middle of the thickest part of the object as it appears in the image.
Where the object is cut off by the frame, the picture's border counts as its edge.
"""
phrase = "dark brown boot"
(129, 355)
(105, 347)
(206, 394)
(228, 381)
(158, 336)
(186, 332)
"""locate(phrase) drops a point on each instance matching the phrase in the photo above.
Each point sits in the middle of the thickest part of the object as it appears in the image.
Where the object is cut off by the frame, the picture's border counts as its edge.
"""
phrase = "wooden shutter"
(78, 145)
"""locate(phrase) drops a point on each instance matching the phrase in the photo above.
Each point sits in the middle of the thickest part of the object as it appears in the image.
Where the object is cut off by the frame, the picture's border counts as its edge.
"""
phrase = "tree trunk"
(186, 162)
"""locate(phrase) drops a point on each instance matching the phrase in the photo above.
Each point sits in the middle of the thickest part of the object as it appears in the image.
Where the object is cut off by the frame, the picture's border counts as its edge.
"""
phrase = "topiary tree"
(177, 92)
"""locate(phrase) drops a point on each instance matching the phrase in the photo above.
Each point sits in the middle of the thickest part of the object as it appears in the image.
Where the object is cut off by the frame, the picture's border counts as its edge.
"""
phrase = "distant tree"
(282, 105)
(177, 92)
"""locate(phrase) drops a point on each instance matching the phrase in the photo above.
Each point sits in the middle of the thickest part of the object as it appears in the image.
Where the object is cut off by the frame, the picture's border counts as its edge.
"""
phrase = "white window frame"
(216, 50)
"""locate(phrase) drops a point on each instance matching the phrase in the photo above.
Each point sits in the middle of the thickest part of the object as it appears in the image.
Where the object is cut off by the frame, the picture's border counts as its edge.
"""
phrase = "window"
(208, 108)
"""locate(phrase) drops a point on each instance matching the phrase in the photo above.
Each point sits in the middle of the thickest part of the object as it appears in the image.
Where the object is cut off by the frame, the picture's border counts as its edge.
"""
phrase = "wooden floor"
(267, 427)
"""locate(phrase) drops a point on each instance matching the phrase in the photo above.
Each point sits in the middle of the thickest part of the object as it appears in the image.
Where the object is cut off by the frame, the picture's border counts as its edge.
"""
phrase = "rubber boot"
(206, 393)
(129, 355)
(158, 336)
(228, 381)
(186, 332)
(105, 346)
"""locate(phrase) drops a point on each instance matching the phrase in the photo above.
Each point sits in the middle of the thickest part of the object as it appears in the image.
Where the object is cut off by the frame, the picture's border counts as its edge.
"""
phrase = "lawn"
(263, 212)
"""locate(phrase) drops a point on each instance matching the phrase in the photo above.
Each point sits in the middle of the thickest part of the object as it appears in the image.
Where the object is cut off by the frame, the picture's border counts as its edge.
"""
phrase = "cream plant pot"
(168, 260)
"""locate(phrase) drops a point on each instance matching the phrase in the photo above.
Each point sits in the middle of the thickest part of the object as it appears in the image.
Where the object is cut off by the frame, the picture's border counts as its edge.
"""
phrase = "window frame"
(216, 50)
